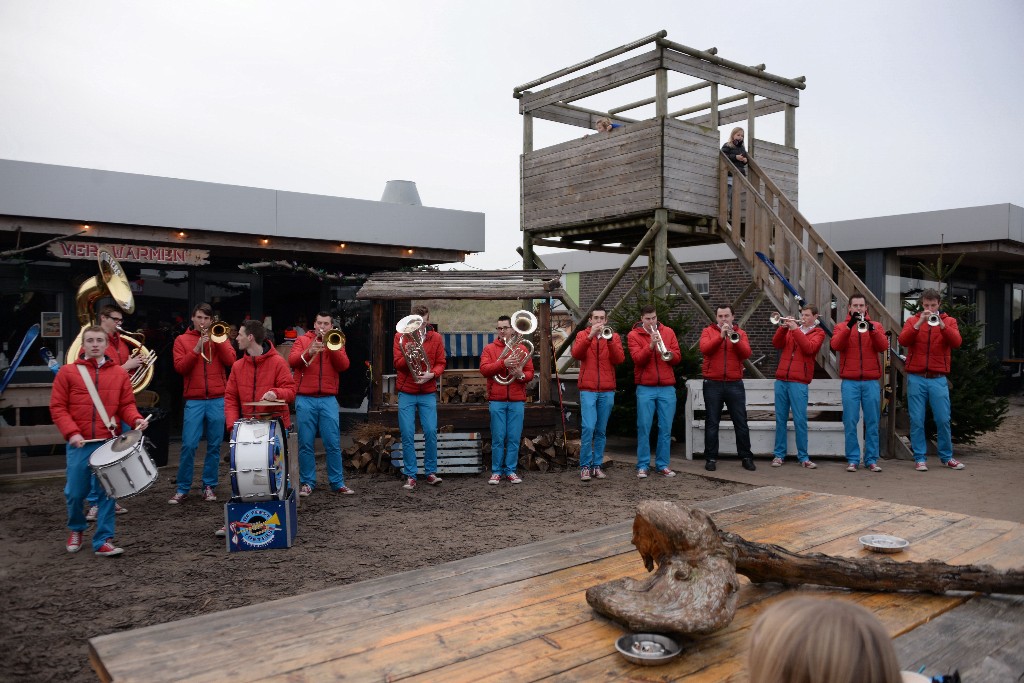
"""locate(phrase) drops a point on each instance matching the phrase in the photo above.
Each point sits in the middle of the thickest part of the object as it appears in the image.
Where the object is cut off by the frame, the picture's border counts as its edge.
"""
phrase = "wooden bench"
(19, 436)
(825, 435)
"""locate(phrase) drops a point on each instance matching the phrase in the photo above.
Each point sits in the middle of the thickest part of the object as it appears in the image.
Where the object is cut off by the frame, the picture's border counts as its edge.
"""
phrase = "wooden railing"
(769, 223)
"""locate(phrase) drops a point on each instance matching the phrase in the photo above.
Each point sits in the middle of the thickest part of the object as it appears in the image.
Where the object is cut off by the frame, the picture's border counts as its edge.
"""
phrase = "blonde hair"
(737, 129)
(809, 640)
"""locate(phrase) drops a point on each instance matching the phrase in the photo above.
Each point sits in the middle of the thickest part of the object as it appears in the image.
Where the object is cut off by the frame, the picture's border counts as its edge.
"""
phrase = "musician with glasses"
(858, 341)
(120, 352)
(417, 394)
(798, 342)
(929, 336)
(655, 353)
(508, 369)
(724, 347)
(598, 349)
(316, 368)
(203, 366)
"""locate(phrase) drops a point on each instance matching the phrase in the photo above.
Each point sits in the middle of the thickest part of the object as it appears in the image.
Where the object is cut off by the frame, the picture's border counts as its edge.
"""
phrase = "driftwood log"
(694, 588)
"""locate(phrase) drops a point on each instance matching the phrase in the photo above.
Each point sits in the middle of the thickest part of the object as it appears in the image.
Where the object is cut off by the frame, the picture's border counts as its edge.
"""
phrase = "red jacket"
(433, 347)
(649, 369)
(858, 351)
(320, 378)
(117, 349)
(253, 376)
(928, 348)
(796, 363)
(491, 367)
(723, 360)
(202, 380)
(597, 359)
(71, 406)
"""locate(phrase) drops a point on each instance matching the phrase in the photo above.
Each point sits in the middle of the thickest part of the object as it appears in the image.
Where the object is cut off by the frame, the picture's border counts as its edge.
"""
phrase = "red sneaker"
(75, 542)
(108, 549)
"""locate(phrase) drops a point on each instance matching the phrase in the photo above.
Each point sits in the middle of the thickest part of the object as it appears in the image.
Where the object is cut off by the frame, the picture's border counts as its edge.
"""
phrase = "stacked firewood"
(546, 451)
(370, 451)
(464, 389)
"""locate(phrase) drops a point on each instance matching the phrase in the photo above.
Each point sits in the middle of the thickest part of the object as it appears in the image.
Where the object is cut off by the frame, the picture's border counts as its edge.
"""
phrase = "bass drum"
(123, 466)
(258, 467)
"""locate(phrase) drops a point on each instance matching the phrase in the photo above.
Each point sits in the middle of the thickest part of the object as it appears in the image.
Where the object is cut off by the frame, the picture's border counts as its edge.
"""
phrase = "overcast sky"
(910, 106)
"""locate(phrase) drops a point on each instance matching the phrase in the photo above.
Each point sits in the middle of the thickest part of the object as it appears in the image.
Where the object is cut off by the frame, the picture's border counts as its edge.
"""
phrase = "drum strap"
(96, 399)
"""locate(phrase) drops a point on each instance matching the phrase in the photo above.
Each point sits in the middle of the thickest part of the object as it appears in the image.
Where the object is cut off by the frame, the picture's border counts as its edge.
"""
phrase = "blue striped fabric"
(466, 344)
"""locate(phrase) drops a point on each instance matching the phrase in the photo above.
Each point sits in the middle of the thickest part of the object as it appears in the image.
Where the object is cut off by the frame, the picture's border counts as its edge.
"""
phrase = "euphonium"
(414, 333)
(934, 319)
(143, 374)
(659, 343)
(524, 323)
(111, 282)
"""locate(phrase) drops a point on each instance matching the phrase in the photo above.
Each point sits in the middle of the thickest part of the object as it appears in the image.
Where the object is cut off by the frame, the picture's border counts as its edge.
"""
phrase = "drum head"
(126, 441)
(104, 455)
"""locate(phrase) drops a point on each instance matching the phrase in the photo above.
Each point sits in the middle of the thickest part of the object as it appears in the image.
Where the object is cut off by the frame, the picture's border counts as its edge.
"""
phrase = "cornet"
(659, 343)
(933, 319)
(733, 335)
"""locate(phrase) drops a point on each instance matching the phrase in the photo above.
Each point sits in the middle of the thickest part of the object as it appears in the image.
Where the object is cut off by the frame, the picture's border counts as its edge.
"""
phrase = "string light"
(264, 241)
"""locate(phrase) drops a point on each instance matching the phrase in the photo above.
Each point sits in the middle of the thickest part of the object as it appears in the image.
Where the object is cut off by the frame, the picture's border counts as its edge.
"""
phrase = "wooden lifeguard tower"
(654, 184)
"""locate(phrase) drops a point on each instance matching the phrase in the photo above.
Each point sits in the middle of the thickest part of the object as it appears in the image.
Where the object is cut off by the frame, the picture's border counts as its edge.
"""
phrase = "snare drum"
(123, 466)
(258, 470)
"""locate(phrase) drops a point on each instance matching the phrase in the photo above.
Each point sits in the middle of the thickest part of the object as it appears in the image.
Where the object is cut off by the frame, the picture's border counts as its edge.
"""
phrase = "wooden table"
(520, 614)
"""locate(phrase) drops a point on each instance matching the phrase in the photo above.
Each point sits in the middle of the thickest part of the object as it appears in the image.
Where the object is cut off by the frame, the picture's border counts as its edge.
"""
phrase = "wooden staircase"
(772, 225)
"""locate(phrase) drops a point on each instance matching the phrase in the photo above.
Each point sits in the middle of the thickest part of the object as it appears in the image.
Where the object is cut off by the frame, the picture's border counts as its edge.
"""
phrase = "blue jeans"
(921, 392)
(506, 428)
(77, 488)
(595, 408)
(426, 406)
(858, 395)
(734, 396)
(314, 413)
(791, 396)
(204, 418)
(648, 401)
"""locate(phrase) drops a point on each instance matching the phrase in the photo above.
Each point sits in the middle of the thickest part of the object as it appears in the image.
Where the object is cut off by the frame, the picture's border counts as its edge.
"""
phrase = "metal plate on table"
(883, 543)
(648, 649)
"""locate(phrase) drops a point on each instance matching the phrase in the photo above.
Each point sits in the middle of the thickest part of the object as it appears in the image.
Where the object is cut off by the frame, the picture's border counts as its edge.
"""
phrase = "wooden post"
(544, 327)
(529, 263)
(661, 92)
(698, 300)
(659, 258)
(714, 106)
(377, 341)
(790, 114)
(750, 124)
(527, 133)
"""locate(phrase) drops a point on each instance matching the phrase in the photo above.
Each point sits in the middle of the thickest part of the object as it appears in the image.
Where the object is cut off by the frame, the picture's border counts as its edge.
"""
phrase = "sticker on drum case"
(256, 528)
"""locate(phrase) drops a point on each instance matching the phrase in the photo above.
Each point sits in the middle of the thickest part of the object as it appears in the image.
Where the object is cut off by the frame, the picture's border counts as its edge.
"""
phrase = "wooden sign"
(132, 253)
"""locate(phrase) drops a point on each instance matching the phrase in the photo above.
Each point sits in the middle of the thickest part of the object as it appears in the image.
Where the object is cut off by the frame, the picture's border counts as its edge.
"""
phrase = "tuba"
(111, 282)
(524, 323)
(414, 333)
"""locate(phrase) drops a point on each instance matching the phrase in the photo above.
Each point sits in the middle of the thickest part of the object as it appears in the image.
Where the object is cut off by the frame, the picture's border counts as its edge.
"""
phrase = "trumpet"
(524, 323)
(659, 343)
(933, 320)
(862, 324)
(218, 333)
(779, 319)
(607, 333)
(414, 332)
(733, 335)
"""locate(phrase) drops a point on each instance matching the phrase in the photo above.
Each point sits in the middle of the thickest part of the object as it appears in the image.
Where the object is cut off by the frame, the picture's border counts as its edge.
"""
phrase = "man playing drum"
(203, 365)
(316, 370)
(76, 416)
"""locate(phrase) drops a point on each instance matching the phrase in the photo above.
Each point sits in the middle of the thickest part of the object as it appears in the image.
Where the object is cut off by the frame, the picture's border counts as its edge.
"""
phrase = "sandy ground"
(175, 568)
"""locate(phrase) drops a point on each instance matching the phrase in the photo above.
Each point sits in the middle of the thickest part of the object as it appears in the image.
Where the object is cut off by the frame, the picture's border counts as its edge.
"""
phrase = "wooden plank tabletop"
(520, 614)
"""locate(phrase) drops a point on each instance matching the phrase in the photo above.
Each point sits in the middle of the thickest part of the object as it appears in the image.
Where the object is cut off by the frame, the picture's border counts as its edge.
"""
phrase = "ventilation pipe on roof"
(401, 192)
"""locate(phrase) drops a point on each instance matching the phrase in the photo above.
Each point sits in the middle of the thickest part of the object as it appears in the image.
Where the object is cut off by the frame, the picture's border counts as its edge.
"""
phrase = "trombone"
(218, 333)
(333, 339)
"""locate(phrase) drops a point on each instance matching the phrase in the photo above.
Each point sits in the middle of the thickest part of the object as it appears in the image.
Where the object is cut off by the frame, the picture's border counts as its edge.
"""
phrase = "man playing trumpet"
(798, 343)
(203, 366)
(928, 361)
(725, 347)
(599, 350)
(316, 368)
(506, 398)
(655, 353)
(858, 342)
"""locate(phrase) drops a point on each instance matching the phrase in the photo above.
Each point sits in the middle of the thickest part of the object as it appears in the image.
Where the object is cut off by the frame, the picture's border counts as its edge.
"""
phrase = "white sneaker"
(92, 514)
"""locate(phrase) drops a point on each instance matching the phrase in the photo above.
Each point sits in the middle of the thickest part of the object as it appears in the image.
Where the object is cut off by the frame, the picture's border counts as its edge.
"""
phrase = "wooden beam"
(561, 244)
(790, 137)
(378, 340)
(574, 115)
(799, 82)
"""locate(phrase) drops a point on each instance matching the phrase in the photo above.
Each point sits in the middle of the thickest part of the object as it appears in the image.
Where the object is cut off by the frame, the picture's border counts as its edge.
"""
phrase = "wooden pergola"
(539, 286)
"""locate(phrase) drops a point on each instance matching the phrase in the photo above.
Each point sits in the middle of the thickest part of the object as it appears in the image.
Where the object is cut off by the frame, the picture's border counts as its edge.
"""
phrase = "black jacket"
(732, 151)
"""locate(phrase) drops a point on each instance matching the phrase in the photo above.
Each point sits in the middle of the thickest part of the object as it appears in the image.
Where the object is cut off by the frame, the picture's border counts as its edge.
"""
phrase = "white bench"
(825, 435)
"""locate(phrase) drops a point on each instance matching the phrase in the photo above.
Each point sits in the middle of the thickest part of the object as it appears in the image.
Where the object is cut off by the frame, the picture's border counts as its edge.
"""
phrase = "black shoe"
(709, 465)
(748, 464)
